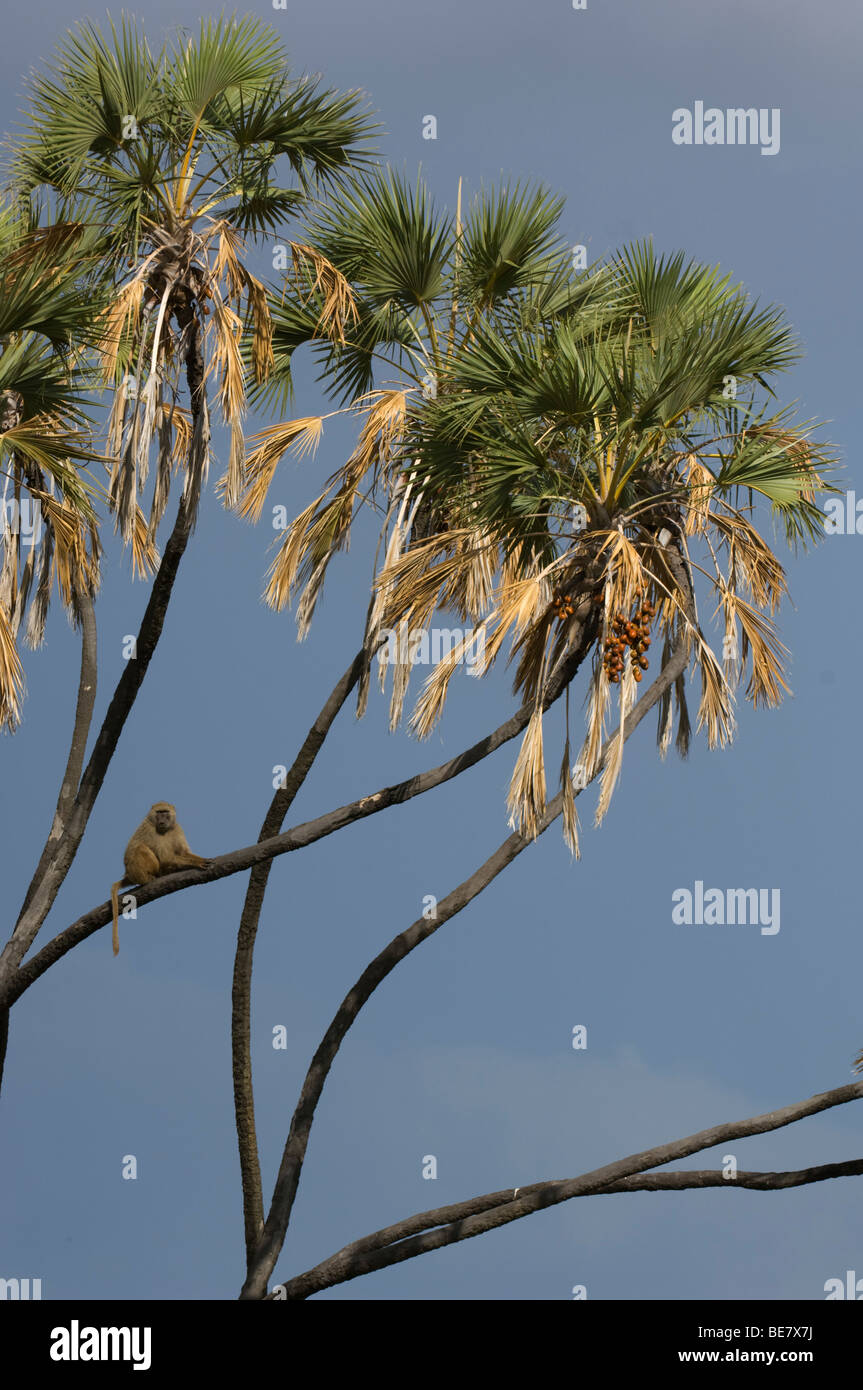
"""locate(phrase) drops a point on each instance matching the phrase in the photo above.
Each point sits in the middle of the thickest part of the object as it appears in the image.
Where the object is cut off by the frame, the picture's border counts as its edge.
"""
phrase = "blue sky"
(465, 1051)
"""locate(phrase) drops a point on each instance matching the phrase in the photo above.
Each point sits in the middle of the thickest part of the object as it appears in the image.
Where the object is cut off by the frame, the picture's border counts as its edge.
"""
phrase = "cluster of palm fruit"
(564, 606)
(633, 632)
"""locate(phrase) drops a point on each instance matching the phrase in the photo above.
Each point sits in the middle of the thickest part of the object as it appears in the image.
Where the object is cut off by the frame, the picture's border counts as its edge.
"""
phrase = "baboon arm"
(183, 859)
(194, 861)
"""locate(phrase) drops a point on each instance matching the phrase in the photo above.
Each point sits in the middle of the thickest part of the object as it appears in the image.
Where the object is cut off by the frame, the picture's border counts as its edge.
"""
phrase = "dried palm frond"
(381, 433)
(9, 581)
(303, 435)
(121, 322)
(117, 417)
(310, 595)
(532, 648)
(766, 681)
(11, 675)
(597, 707)
(28, 573)
(526, 799)
(150, 410)
(495, 630)
(715, 709)
(401, 669)
(753, 562)
(262, 329)
(313, 538)
(610, 775)
(227, 363)
(323, 528)
(665, 721)
(34, 629)
(227, 264)
(181, 422)
(684, 727)
(625, 571)
(283, 570)
(474, 596)
(422, 576)
(145, 556)
(313, 272)
(570, 814)
(430, 705)
(167, 444)
(701, 484)
(394, 533)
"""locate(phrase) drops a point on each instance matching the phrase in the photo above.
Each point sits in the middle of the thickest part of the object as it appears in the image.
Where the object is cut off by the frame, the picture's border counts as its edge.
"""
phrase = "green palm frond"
(387, 238)
(135, 178)
(511, 241)
(228, 56)
(133, 134)
(579, 455)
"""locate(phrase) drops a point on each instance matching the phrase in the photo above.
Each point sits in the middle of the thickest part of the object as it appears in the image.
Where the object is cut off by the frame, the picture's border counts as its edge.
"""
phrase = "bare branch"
(87, 683)
(297, 838)
(461, 1220)
(244, 1106)
(275, 1227)
(244, 1100)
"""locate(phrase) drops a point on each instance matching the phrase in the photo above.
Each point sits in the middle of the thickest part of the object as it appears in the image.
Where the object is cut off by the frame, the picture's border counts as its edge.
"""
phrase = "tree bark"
(244, 1099)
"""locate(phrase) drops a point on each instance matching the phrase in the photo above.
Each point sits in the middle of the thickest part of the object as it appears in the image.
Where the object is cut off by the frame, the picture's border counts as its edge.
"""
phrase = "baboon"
(157, 847)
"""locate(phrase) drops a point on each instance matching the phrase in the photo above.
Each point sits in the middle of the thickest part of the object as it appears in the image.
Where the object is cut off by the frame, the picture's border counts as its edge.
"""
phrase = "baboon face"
(162, 816)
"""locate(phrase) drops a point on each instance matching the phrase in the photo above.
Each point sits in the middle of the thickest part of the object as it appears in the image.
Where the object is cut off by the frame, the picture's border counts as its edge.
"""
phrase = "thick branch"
(72, 775)
(275, 1227)
(87, 682)
(244, 1100)
(462, 1220)
(121, 704)
(757, 1182)
(680, 1181)
(307, 833)
(297, 838)
(34, 913)
(4, 1038)
(244, 1106)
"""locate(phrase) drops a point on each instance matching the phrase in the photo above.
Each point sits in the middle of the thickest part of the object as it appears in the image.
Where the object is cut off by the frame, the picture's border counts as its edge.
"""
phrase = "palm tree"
(566, 460)
(170, 160)
(174, 157)
(48, 526)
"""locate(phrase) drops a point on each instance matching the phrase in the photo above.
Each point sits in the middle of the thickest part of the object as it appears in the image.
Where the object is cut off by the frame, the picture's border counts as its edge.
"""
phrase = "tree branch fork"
(433, 1230)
